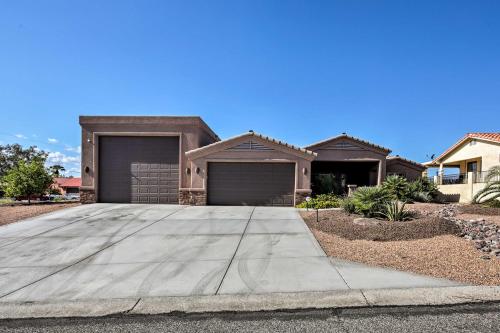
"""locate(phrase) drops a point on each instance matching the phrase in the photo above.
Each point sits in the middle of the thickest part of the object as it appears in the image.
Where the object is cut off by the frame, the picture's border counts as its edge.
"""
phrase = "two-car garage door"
(255, 184)
(139, 169)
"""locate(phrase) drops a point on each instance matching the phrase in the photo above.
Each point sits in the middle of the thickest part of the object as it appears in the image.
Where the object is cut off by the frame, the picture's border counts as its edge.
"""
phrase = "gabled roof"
(205, 150)
(68, 182)
(407, 161)
(491, 137)
(345, 136)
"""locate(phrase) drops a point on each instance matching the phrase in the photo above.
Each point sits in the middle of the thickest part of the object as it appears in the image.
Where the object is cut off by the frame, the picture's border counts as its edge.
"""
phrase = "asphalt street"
(463, 318)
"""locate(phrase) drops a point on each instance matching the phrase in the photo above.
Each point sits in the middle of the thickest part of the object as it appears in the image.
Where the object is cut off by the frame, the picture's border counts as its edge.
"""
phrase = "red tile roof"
(68, 182)
(485, 136)
(494, 137)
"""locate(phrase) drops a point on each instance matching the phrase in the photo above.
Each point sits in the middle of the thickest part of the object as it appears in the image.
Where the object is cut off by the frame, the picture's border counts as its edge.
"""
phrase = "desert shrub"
(348, 206)
(422, 190)
(322, 201)
(396, 187)
(395, 211)
(370, 201)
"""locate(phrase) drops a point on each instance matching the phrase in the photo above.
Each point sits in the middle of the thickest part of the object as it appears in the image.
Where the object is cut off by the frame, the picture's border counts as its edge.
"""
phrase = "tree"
(492, 189)
(27, 179)
(56, 170)
(11, 155)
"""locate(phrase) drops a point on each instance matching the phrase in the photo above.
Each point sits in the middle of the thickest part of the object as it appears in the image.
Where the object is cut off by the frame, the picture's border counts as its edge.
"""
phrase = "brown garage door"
(255, 184)
(139, 169)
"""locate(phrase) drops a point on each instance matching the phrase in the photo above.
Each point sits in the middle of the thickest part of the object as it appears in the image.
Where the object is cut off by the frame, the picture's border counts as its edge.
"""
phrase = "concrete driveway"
(105, 251)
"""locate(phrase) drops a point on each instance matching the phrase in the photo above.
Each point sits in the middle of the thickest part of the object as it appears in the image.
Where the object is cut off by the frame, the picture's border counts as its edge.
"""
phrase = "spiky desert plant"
(395, 211)
(492, 189)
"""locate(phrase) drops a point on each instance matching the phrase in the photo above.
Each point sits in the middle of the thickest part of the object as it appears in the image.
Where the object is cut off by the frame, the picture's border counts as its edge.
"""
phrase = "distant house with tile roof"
(68, 185)
(473, 155)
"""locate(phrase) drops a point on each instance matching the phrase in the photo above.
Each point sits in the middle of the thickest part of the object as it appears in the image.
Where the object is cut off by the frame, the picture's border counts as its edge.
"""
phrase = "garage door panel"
(267, 184)
(131, 169)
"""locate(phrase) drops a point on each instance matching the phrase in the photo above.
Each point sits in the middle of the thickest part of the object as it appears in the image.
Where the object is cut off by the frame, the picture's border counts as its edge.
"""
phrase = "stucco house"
(471, 156)
(181, 160)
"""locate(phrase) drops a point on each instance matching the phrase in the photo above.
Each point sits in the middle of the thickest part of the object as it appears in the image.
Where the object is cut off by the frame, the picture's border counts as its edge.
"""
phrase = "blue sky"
(413, 76)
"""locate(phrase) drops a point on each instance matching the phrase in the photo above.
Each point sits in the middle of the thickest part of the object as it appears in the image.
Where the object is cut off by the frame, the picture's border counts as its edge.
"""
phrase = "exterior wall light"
(188, 171)
(197, 170)
(304, 171)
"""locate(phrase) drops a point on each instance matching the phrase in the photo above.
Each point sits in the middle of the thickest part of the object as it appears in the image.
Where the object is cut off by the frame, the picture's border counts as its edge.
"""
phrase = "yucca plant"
(492, 189)
(395, 211)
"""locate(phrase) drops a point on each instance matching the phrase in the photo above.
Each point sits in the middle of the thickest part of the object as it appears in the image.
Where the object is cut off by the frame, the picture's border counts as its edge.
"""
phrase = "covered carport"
(344, 161)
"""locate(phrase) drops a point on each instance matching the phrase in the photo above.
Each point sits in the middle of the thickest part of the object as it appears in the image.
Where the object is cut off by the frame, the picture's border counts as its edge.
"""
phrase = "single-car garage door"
(139, 169)
(255, 184)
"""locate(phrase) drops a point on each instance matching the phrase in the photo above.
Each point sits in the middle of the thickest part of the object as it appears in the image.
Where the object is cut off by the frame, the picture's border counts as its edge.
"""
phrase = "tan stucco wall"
(486, 153)
(461, 192)
(400, 167)
(192, 131)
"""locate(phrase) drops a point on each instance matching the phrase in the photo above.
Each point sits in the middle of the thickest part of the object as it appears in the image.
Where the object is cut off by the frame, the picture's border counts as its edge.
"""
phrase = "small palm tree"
(492, 189)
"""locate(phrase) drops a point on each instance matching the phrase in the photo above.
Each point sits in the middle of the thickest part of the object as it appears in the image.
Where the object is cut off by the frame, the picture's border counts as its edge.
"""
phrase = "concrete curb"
(254, 302)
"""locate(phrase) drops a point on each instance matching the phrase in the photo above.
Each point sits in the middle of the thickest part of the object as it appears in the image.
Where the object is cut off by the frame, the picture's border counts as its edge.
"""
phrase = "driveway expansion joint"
(236, 251)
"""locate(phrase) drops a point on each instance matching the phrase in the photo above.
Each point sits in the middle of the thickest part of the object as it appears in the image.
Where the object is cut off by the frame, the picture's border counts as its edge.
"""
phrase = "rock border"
(486, 236)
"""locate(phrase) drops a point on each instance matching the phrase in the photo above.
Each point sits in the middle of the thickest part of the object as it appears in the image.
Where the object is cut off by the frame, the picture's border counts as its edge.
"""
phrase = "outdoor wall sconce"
(87, 169)
(197, 170)
(304, 171)
(188, 171)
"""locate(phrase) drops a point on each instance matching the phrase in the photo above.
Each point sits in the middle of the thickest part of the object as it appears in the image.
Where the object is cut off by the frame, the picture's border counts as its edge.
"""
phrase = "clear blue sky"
(410, 75)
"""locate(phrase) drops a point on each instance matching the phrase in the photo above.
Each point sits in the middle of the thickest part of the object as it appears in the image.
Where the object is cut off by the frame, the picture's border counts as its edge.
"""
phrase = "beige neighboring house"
(473, 156)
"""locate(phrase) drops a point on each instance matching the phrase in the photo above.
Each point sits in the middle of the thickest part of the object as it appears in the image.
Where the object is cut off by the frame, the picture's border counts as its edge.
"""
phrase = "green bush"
(322, 201)
(422, 190)
(370, 201)
(397, 187)
(395, 211)
(347, 205)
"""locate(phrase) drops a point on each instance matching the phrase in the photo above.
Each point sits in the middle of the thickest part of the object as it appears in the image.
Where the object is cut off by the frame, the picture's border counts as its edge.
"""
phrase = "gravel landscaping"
(10, 213)
(437, 243)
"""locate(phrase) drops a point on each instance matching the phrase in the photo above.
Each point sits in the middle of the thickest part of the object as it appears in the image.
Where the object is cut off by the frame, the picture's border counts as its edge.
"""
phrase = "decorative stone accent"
(486, 236)
(87, 196)
(301, 196)
(193, 197)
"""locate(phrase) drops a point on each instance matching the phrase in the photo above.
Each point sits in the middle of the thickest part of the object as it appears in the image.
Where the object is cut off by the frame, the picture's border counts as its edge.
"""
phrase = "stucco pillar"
(440, 174)
(381, 172)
